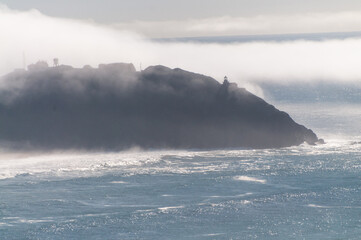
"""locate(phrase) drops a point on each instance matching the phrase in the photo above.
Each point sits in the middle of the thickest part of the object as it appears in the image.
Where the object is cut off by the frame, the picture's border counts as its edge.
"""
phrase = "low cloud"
(77, 43)
(259, 24)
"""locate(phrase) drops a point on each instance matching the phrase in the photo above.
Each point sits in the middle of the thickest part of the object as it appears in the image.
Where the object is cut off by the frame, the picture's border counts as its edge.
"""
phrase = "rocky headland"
(116, 107)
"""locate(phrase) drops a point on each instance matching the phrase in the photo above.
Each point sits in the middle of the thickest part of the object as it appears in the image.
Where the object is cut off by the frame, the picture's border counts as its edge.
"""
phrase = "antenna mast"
(24, 61)
(56, 62)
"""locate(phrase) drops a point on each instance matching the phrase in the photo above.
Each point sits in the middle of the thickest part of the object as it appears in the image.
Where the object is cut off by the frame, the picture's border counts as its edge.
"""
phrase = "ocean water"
(293, 193)
(302, 192)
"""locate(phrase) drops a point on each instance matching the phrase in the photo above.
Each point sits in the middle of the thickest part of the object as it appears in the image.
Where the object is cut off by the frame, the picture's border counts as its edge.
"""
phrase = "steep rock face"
(115, 107)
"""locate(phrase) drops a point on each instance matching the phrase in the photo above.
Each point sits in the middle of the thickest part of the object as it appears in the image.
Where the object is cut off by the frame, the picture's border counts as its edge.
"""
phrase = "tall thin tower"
(56, 62)
(24, 61)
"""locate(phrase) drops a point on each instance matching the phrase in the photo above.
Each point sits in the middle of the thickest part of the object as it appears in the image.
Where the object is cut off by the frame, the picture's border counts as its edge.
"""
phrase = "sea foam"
(249, 179)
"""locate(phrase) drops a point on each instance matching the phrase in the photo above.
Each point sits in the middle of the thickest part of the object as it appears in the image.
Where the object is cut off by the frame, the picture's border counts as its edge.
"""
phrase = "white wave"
(249, 179)
(231, 196)
(144, 211)
(243, 195)
(167, 209)
(212, 234)
(31, 221)
(317, 206)
(323, 206)
(118, 182)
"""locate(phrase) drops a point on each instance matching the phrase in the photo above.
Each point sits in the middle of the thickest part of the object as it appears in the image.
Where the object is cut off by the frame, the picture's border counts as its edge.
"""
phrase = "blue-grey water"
(303, 192)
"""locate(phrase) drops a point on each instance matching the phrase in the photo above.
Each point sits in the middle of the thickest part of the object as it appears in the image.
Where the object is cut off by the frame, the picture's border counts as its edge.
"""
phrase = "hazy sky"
(113, 11)
(190, 18)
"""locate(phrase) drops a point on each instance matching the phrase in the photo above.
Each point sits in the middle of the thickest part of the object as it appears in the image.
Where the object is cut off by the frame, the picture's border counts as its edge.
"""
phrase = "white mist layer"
(32, 36)
(127, 163)
(64, 164)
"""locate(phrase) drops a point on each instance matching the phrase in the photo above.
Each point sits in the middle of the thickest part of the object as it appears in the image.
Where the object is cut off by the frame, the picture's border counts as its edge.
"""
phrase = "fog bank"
(29, 36)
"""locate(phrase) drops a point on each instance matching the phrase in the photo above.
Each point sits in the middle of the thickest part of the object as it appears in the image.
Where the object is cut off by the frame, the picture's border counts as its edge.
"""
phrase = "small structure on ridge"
(56, 62)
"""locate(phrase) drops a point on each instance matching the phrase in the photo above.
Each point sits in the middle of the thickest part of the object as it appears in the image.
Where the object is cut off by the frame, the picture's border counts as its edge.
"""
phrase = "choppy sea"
(303, 192)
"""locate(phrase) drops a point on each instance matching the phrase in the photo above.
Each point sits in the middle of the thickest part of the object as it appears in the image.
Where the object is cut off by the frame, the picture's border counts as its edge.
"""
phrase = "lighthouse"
(225, 81)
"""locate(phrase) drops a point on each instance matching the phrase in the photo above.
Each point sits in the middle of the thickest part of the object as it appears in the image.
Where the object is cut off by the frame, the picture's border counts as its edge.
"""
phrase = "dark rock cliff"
(116, 107)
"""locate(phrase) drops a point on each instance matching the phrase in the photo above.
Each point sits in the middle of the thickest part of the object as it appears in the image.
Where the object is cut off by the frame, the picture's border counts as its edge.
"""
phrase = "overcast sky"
(113, 11)
(190, 18)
